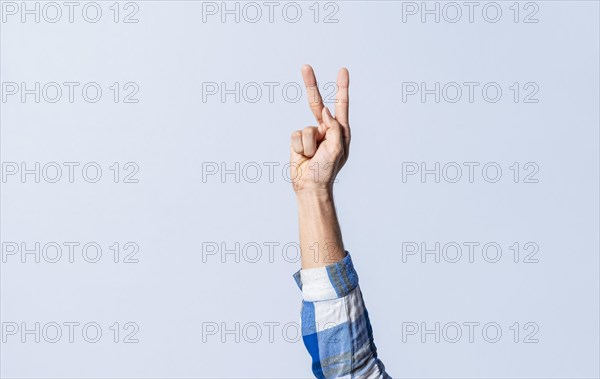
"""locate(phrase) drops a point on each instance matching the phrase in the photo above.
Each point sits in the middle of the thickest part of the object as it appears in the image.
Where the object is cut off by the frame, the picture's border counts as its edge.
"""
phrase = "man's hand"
(319, 152)
(317, 155)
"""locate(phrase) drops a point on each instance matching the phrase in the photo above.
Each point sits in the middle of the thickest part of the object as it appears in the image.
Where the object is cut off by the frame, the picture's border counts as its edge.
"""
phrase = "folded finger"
(297, 142)
(309, 140)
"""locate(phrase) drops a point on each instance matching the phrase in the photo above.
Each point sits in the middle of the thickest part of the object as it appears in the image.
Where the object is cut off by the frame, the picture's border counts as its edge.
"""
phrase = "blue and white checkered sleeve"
(335, 323)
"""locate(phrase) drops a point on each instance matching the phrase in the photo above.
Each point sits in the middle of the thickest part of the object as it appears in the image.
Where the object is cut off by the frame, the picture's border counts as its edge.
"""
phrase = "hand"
(319, 152)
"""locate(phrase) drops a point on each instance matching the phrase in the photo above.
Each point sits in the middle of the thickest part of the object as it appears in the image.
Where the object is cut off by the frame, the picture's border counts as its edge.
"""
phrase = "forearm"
(320, 235)
(335, 326)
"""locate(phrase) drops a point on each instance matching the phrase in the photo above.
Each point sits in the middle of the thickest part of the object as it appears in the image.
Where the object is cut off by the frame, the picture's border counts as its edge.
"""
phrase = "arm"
(335, 324)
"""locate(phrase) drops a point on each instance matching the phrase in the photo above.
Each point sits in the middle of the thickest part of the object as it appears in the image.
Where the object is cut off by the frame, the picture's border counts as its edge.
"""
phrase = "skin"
(317, 154)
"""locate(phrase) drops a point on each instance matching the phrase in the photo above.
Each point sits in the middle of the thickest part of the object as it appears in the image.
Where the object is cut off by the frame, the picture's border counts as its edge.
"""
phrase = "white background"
(172, 135)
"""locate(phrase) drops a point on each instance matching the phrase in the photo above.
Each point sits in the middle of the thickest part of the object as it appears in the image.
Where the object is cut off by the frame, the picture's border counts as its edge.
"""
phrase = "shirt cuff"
(329, 282)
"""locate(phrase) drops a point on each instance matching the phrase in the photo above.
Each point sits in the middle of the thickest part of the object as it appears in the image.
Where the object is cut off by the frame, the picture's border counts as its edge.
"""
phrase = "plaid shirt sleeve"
(335, 323)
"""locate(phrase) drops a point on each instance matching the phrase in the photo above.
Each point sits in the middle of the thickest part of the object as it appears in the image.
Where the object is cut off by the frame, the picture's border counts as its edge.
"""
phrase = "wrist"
(311, 194)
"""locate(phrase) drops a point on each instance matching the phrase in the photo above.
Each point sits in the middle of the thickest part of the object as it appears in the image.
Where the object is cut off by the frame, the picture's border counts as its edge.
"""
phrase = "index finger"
(312, 90)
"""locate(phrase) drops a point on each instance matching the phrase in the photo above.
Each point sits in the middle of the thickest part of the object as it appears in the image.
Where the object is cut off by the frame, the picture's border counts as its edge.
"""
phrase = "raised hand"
(319, 152)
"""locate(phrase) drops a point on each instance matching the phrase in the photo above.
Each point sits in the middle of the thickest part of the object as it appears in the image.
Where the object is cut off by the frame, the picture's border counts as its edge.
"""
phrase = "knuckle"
(338, 149)
(309, 131)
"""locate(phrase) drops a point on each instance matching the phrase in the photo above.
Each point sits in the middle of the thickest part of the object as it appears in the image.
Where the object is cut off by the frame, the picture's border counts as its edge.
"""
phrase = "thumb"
(334, 128)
